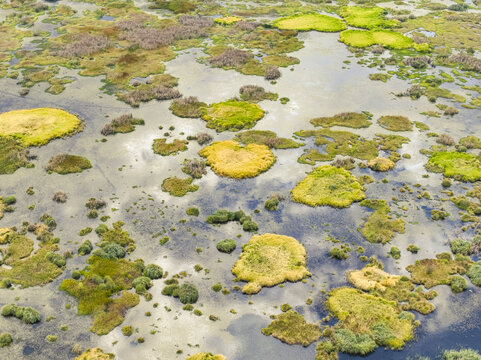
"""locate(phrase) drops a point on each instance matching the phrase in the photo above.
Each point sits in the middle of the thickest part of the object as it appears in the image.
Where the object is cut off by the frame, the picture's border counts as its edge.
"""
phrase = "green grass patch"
(178, 187)
(266, 137)
(365, 38)
(162, 147)
(307, 22)
(380, 228)
(67, 164)
(346, 119)
(432, 272)
(460, 166)
(292, 328)
(232, 115)
(268, 260)
(328, 185)
(366, 17)
(395, 123)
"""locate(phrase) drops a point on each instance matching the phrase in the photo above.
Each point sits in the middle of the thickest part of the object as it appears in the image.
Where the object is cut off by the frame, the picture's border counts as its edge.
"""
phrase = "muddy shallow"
(126, 171)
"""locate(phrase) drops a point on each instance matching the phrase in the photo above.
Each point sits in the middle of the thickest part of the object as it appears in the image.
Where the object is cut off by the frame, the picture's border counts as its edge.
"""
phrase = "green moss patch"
(223, 216)
(381, 164)
(432, 272)
(306, 22)
(95, 354)
(162, 147)
(232, 115)
(328, 185)
(266, 137)
(36, 127)
(67, 164)
(27, 314)
(366, 17)
(460, 166)
(395, 123)
(231, 159)
(189, 107)
(178, 187)
(365, 38)
(12, 155)
(367, 321)
(292, 328)
(268, 260)
(346, 119)
(379, 228)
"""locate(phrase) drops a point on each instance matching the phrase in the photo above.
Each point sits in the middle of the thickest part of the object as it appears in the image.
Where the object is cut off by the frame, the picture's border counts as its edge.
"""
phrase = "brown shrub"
(445, 139)
(60, 197)
(272, 73)
(231, 58)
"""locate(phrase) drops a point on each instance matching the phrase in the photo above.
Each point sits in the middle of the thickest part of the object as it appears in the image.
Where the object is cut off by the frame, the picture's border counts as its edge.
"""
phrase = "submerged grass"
(268, 260)
(328, 185)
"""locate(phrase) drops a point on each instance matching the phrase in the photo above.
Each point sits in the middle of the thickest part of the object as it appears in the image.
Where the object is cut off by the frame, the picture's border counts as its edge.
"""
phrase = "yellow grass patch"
(231, 159)
(36, 127)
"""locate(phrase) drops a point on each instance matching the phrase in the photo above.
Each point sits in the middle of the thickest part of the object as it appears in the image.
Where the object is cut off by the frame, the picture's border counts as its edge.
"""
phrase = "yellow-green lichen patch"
(379, 321)
(12, 155)
(432, 272)
(379, 228)
(162, 147)
(231, 159)
(268, 260)
(232, 115)
(328, 185)
(346, 119)
(380, 164)
(266, 137)
(395, 123)
(366, 17)
(292, 328)
(386, 38)
(67, 164)
(392, 287)
(306, 22)
(206, 356)
(178, 187)
(228, 20)
(35, 127)
(95, 354)
(457, 165)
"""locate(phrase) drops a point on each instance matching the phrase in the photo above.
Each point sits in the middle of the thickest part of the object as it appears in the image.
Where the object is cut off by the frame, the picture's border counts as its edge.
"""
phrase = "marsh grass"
(12, 155)
(266, 137)
(381, 164)
(460, 166)
(379, 228)
(231, 159)
(232, 115)
(36, 127)
(346, 119)
(189, 107)
(395, 123)
(178, 187)
(307, 22)
(122, 124)
(162, 147)
(268, 260)
(432, 272)
(292, 328)
(328, 185)
(254, 93)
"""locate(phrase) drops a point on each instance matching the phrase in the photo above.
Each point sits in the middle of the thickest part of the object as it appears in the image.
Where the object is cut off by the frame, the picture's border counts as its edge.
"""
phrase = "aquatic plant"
(338, 253)
(232, 115)
(307, 22)
(67, 164)
(192, 211)
(231, 159)
(366, 17)
(328, 185)
(379, 228)
(268, 260)
(474, 273)
(95, 204)
(178, 187)
(458, 284)
(445, 139)
(460, 246)
(292, 328)
(153, 271)
(36, 127)
(127, 330)
(273, 201)
(461, 354)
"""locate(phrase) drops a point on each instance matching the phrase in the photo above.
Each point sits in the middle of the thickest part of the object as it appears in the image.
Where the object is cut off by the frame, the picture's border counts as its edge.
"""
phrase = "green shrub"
(153, 271)
(55, 259)
(271, 203)
(110, 250)
(462, 354)
(5, 339)
(141, 284)
(351, 343)
(30, 315)
(102, 228)
(51, 338)
(413, 248)
(249, 225)
(192, 211)
(188, 293)
(458, 284)
(85, 248)
(171, 290)
(395, 252)
(217, 287)
(226, 246)
(127, 330)
(220, 217)
(382, 334)
(76, 274)
(85, 231)
(460, 246)
(338, 253)
(474, 273)
(9, 200)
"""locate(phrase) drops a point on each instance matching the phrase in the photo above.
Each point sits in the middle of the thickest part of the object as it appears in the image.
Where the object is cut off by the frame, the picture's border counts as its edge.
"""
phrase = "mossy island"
(346, 119)
(233, 115)
(457, 165)
(67, 164)
(36, 127)
(178, 187)
(268, 260)
(231, 159)
(328, 185)
(292, 328)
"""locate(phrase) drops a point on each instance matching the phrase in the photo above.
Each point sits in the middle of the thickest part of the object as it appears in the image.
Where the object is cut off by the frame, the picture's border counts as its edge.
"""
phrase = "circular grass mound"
(231, 159)
(232, 115)
(306, 22)
(328, 185)
(270, 259)
(36, 127)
